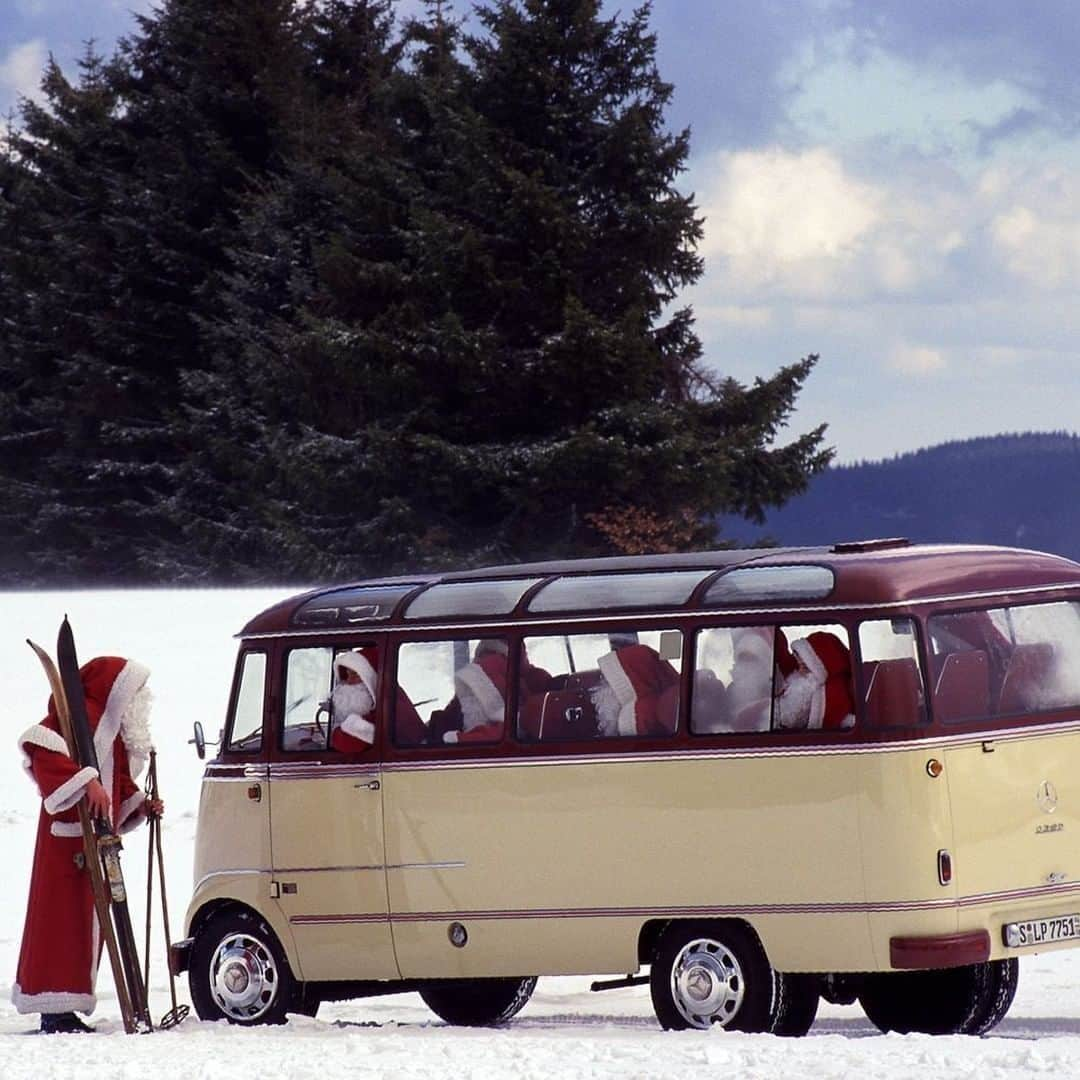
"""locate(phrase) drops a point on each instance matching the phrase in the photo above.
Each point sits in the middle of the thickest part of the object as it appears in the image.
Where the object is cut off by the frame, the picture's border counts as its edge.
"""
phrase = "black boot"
(66, 1023)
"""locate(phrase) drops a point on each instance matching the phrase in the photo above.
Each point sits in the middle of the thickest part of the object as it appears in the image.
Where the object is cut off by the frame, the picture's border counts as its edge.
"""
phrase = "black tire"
(965, 1000)
(708, 972)
(796, 1007)
(239, 972)
(997, 995)
(478, 1002)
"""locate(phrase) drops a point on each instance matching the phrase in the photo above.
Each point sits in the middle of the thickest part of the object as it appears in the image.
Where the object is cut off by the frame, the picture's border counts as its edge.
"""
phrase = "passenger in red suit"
(354, 700)
(639, 694)
(817, 695)
(61, 944)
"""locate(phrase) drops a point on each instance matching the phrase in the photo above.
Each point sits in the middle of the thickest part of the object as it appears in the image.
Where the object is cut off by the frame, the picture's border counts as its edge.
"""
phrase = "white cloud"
(917, 359)
(21, 67)
(774, 207)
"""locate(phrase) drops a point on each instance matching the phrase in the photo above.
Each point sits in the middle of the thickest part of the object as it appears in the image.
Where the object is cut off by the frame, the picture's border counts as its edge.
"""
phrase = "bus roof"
(862, 573)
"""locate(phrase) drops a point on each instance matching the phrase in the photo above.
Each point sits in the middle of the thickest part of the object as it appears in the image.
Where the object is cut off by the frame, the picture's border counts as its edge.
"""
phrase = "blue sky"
(892, 184)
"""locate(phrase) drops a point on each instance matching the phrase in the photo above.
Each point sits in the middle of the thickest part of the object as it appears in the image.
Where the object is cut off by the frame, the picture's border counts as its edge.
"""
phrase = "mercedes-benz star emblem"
(1047, 797)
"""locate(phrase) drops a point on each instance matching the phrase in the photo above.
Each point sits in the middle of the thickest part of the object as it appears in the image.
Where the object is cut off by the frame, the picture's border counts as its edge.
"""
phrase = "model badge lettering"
(1057, 826)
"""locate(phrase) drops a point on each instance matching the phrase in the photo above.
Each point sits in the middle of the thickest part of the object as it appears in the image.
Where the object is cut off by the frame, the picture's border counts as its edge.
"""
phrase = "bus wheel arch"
(239, 971)
(712, 971)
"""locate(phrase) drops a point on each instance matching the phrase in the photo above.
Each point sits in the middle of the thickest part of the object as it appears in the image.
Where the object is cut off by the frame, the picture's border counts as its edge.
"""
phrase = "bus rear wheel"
(966, 1000)
(706, 973)
(478, 1002)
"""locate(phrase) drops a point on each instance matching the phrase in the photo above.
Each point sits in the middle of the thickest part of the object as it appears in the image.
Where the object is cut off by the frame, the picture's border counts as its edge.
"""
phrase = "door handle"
(371, 785)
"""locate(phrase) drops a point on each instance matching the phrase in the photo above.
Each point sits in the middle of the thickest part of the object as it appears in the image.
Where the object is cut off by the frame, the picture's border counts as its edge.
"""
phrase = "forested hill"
(1019, 490)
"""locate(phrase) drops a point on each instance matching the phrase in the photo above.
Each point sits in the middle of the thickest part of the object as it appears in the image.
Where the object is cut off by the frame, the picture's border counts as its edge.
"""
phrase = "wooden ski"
(101, 856)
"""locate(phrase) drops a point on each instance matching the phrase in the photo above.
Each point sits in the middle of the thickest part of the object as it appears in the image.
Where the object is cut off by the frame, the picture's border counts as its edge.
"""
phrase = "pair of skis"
(101, 845)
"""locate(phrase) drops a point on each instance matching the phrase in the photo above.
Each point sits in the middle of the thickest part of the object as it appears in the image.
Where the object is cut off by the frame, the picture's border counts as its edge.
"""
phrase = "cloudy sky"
(892, 184)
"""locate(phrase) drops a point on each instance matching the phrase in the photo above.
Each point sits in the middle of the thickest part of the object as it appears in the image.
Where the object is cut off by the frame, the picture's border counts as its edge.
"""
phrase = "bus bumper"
(939, 950)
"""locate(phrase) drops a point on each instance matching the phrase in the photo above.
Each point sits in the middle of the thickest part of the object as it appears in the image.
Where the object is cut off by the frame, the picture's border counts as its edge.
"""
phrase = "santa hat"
(110, 684)
(824, 654)
(485, 678)
(362, 662)
(638, 676)
(490, 645)
(753, 643)
(828, 660)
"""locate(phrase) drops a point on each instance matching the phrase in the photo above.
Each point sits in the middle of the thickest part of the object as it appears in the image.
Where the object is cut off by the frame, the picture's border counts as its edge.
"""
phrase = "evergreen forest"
(297, 291)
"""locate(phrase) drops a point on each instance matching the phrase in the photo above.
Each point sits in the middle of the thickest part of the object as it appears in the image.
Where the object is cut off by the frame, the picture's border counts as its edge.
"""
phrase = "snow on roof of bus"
(867, 572)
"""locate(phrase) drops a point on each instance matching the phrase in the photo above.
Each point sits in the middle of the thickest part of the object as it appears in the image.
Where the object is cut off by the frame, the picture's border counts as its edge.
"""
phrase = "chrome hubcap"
(243, 977)
(706, 983)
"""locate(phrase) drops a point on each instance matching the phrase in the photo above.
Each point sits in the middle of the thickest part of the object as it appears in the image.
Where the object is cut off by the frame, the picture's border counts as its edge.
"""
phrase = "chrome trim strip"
(426, 866)
(668, 613)
(702, 910)
(324, 869)
(227, 873)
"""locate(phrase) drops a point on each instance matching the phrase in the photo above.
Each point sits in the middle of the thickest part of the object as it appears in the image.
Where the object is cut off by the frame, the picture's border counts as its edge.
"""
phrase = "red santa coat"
(61, 942)
(646, 687)
(828, 661)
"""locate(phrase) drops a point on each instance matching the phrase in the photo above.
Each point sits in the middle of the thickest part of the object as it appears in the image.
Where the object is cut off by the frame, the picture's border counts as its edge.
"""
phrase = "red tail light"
(944, 867)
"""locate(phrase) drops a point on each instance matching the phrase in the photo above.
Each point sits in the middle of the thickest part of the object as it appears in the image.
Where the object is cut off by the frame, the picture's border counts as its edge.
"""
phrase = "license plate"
(1040, 931)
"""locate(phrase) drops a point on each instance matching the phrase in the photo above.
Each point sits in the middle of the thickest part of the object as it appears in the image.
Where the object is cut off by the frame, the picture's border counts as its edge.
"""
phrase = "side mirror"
(199, 741)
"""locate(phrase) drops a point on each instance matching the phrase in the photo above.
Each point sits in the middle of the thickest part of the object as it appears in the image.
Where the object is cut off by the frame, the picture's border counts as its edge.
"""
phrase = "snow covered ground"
(185, 638)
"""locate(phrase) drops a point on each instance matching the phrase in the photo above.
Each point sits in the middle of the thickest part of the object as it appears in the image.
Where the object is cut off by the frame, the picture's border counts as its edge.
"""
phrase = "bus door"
(1014, 788)
(326, 815)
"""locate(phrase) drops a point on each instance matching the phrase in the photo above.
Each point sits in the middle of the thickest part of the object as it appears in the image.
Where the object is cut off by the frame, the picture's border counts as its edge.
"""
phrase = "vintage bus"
(751, 779)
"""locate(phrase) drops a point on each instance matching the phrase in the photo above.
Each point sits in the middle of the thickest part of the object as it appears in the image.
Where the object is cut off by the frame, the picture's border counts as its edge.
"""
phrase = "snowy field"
(185, 638)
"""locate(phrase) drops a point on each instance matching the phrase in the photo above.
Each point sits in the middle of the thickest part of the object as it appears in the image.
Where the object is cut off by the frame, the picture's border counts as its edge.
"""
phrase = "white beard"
(793, 704)
(351, 699)
(135, 724)
(607, 710)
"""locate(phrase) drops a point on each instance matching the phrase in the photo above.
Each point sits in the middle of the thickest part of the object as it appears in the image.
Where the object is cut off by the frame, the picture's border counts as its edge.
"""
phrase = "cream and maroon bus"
(751, 779)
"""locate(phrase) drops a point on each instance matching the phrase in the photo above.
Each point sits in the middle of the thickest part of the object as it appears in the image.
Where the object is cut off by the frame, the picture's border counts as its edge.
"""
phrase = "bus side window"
(451, 692)
(245, 729)
(892, 681)
(308, 683)
(590, 686)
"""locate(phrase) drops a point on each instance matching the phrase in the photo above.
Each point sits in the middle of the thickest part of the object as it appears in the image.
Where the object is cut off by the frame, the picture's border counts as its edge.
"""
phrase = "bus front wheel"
(478, 1002)
(953, 1001)
(239, 972)
(711, 972)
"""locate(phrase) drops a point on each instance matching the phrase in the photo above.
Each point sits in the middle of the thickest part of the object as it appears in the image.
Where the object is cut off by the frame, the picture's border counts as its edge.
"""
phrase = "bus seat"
(589, 679)
(1027, 678)
(894, 694)
(963, 687)
(565, 715)
(409, 729)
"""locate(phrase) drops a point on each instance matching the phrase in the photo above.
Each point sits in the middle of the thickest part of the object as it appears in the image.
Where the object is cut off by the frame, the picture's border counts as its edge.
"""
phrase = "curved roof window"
(460, 598)
(610, 592)
(351, 607)
(758, 584)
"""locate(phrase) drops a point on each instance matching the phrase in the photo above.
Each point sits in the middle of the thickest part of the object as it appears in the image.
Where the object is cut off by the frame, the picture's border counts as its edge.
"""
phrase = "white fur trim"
(65, 829)
(359, 664)
(358, 727)
(43, 737)
(817, 709)
(491, 645)
(476, 679)
(450, 736)
(70, 791)
(52, 1001)
(805, 652)
(620, 683)
(132, 812)
(128, 683)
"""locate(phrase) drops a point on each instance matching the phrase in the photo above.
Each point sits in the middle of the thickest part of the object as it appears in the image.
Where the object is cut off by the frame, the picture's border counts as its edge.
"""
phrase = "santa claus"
(480, 689)
(61, 943)
(639, 694)
(353, 700)
(817, 695)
